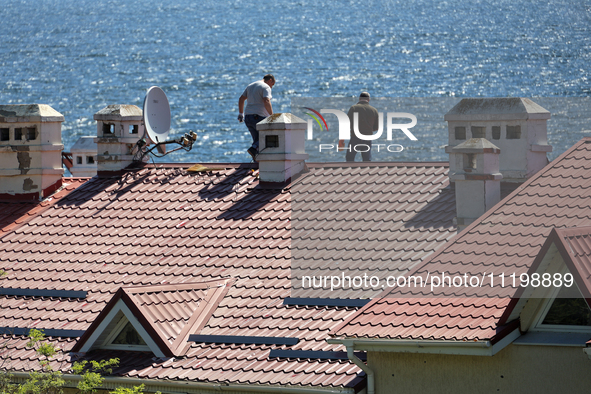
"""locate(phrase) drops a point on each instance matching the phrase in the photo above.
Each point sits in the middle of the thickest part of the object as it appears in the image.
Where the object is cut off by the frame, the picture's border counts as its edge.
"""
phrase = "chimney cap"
(84, 144)
(287, 120)
(505, 108)
(476, 145)
(29, 113)
(119, 112)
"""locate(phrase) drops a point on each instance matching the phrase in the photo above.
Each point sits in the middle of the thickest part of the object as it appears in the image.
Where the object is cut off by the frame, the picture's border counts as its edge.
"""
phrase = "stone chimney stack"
(477, 179)
(84, 157)
(516, 125)
(119, 127)
(282, 151)
(30, 151)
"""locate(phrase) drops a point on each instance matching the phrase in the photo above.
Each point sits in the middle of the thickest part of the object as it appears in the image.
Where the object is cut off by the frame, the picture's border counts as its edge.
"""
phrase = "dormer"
(553, 306)
(156, 318)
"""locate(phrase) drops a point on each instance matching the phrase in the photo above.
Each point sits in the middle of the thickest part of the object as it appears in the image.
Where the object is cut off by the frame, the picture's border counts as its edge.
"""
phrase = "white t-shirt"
(254, 93)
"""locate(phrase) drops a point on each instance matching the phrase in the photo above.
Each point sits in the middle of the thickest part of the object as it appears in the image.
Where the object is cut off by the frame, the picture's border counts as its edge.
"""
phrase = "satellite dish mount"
(157, 125)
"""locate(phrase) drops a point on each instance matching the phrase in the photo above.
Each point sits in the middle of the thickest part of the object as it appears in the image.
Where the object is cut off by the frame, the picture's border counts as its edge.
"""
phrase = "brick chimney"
(282, 151)
(119, 127)
(30, 151)
(477, 179)
(516, 125)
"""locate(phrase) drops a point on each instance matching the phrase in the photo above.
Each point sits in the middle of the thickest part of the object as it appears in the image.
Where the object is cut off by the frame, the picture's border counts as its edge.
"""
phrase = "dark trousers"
(251, 122)
(358, 145)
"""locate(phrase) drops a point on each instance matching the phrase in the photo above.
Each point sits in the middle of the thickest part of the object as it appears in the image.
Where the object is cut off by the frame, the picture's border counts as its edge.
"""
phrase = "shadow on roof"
(437, 213)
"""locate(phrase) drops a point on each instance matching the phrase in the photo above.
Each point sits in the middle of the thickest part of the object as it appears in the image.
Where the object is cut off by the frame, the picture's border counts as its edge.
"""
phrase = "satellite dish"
(157, 123)
(156, 114)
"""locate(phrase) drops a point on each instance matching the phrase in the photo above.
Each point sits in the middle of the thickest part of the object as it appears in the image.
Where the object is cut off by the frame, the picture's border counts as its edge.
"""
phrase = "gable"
(156, 318)
(562, 305)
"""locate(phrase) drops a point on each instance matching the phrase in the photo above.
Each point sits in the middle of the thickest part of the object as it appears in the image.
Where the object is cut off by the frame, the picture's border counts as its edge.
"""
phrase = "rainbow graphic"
(317, 115)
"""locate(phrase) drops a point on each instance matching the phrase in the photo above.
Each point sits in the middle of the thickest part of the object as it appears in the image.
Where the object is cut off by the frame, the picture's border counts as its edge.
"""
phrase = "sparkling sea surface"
(79, 56)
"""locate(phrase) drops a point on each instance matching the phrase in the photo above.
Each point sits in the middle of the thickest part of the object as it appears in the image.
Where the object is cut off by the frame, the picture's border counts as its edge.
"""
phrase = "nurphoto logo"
(353, 126)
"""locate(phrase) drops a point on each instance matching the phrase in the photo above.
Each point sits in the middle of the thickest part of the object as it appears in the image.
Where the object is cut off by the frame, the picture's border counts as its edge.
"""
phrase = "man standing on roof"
(368, 123)
(258, 107)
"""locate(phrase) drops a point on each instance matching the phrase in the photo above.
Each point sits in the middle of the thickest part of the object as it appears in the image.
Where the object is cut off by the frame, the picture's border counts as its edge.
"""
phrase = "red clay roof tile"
(166, 226)
(506, 239)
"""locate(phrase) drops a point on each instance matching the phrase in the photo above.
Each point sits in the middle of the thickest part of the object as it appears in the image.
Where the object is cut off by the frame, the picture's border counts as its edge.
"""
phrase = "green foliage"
(46, 380)
(92, 373)
(43, 381)
(135, 390)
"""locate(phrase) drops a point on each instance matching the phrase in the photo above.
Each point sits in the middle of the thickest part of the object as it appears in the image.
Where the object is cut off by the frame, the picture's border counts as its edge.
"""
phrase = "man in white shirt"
(258, 107)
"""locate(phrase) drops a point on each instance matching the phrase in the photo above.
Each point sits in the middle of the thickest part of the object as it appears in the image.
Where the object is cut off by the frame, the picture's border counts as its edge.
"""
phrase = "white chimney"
(516, 125)
(119, 127)
(477, 179)
(84, 157)
(282, 152)
(30, 151)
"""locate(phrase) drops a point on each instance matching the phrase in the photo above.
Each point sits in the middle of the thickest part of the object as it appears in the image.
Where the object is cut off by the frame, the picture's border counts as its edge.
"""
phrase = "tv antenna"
(157, 117)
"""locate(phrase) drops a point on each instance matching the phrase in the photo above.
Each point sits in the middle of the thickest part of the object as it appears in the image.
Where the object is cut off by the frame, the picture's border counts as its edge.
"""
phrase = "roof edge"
(434, 346)
(112, 382)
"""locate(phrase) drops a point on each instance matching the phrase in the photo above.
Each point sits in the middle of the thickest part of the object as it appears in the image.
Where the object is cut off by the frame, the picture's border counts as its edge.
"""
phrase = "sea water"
(80, 56)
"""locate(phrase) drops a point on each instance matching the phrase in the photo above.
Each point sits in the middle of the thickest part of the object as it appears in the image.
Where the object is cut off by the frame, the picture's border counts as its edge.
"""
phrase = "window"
(18, 134)
(78, 159)
(271, 141)
(478, 131)
(89, 159)
(108, 130)
(567, 310)
(4, 134)
(460, 133)
(133, 129)
(31, 133)
(124, 336)
(513, 132)
(470, 161)
(496, 132)
(128, 336)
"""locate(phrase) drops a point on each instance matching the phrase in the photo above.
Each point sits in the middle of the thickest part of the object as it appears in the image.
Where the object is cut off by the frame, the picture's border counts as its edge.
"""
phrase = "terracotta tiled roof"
(165, 226)
(14, 212)
(506, 239)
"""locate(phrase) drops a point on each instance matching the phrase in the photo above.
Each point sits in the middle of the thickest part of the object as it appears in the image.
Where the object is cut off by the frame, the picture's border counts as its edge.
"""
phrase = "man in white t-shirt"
(258, 107)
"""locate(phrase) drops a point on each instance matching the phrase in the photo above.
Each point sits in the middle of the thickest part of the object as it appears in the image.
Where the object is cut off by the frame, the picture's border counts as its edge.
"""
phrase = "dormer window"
(154, 318)
(567, 311)
(125, 337)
